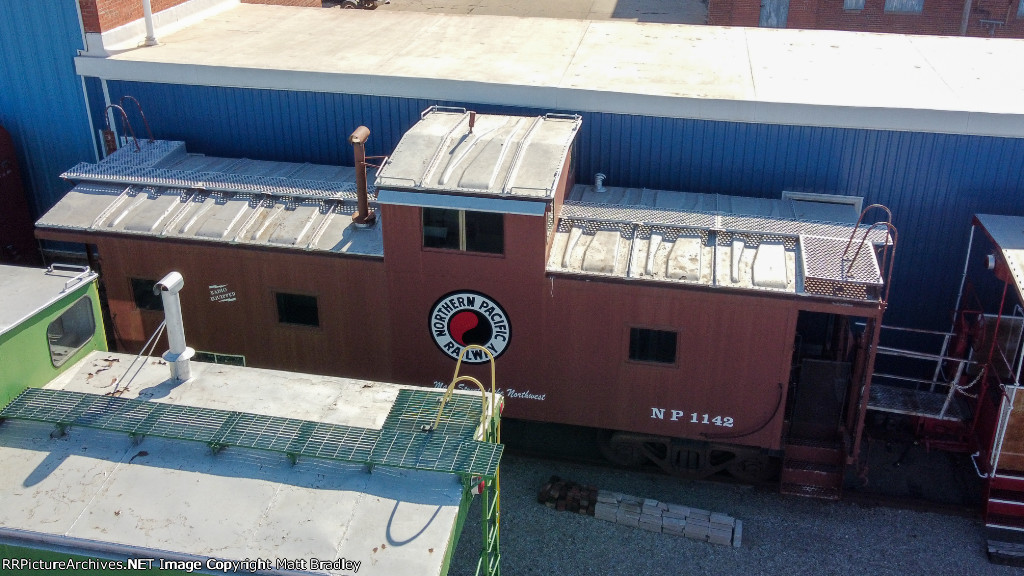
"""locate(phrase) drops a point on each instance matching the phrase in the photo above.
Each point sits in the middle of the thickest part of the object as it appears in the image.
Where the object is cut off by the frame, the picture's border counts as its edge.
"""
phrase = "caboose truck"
(118, 462)
(705, 332)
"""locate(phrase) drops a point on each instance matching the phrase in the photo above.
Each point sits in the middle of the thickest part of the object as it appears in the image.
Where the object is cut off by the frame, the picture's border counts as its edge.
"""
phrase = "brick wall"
(103, 15)
(734, 12)
(307, 3)
(940, 17)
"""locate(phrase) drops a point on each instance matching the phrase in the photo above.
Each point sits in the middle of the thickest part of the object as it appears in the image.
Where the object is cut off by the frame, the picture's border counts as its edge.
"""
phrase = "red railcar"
(704, 332)
(17, 245)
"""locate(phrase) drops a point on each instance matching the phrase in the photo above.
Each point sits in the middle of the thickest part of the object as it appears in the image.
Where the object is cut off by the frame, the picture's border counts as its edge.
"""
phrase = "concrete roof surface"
(99, 492)
(802, 77)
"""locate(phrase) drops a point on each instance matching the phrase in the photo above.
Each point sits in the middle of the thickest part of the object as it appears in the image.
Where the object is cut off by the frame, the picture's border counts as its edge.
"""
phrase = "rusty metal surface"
(716, 240)
(162, 191)
(497, 155)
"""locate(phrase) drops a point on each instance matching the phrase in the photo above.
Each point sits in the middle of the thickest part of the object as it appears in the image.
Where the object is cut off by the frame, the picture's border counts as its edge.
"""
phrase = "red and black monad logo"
(464, 317)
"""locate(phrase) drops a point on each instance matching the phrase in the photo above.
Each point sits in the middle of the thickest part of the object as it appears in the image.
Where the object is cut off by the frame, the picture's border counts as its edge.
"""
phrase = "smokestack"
(177, 357)
(363, 215)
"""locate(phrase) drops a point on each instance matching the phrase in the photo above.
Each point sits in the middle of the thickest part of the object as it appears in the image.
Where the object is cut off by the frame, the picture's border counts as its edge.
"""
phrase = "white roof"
(26, 291)
(1007, 232)
(98, 493)
(775, 76)
(498, 155)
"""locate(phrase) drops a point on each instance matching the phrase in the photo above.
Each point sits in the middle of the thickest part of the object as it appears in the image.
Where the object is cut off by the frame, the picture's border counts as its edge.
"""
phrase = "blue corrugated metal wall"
(41, 97)
(932, 182)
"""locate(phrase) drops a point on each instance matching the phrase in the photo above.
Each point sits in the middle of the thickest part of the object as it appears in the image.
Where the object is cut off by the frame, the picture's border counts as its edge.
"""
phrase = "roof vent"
(178, 356)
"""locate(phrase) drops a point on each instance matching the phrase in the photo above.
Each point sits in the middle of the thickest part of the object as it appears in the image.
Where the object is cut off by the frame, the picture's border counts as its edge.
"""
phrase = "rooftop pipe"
(177, 357)
(363, 215)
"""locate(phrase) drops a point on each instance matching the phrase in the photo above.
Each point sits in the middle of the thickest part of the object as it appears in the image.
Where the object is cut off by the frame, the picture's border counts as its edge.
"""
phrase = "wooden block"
(678, 509)
(651, 527)
(673, 514)
(719, 518)
(630, 505)
(717, 526)
(626, 520)
(719, 536)
(650, 519)
(737, 534)
(670, 521)
(696, 532)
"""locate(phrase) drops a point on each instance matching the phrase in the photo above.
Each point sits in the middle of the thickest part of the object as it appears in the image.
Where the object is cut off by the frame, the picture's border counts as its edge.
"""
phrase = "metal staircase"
(813, 468)
(489, 487)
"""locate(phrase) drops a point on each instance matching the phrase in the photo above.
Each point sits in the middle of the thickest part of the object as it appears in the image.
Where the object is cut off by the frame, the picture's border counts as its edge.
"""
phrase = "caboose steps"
(1002, 504)
(811, 491)
(813, 468)
(1003, 480)
(812, 451)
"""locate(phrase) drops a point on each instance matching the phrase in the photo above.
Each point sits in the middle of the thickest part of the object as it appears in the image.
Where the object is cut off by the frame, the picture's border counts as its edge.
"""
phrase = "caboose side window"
(297, 309)
(464, 230)
(647, 345)
(142, 294)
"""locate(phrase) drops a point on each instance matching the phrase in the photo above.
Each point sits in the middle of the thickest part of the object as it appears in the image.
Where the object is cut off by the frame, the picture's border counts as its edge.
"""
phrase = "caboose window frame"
(463, 230)
(653, 346)
(143, 295)
(302, 310)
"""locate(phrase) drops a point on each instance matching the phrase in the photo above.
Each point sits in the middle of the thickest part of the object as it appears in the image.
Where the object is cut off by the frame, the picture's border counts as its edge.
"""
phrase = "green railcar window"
(70, 331)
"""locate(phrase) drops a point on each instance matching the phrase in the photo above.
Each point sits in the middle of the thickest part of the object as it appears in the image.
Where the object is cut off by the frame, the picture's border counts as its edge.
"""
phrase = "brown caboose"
(704, 332)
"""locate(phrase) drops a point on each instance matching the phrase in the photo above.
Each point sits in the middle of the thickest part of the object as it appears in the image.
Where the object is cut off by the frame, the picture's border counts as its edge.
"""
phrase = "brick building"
(982, 18)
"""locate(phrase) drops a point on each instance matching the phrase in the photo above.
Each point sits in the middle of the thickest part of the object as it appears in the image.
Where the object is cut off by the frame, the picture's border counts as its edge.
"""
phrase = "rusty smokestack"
(472, 121)
(363, 215)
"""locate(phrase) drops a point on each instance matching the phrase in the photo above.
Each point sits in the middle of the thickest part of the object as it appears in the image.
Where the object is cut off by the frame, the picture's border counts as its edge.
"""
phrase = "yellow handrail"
(483, 391)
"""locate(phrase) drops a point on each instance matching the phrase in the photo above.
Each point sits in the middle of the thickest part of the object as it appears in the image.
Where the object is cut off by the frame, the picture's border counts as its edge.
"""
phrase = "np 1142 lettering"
(692, 417)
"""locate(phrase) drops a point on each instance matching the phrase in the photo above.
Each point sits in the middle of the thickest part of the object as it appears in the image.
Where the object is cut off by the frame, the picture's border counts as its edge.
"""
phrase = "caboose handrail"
(484, 413)
(888, 253)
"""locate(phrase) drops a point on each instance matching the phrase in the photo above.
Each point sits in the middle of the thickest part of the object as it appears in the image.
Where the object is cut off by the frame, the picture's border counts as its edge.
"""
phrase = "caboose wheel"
(619, 450)
(754, 468)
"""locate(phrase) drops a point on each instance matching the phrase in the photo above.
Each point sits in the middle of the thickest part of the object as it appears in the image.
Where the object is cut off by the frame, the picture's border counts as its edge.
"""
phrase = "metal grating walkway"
(884, 398)
(399, 443)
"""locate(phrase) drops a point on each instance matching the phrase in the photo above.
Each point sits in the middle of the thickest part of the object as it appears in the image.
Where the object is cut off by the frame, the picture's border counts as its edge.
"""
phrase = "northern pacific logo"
(464, 317)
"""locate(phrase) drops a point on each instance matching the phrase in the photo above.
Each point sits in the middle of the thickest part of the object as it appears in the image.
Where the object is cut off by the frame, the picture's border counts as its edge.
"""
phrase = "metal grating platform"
(451, 449)
(913, 402)
(631, 214)
(415, 408)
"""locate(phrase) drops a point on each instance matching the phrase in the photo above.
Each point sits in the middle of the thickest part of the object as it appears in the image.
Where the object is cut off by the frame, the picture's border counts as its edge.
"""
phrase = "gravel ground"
(781, 534)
